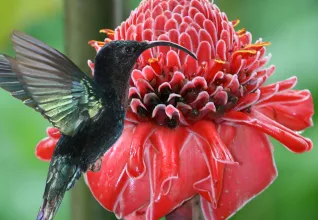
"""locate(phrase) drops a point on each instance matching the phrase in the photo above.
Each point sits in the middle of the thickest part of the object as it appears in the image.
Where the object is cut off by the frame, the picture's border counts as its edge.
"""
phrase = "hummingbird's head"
(124, 54)
(114, 63)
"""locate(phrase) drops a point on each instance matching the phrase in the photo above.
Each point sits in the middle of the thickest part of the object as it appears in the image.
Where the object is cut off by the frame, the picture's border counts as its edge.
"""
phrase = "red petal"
(211, 186)
(173, 60)
(141, 134)
(177, 81)
(135, 104)
(169, 143)
(162, 49)
(241, 183)
(289, 97)
(143, 86)
(45, 148)
(296, 116)
(182, 187)
(157, 11)
(173, 35)
(211, 29)
(53, 132)
(282, 85)
(194, 37)
(135, 75)
(292, 140)
(221, 50)
(213, 68)
(116, 191)
(184, 40)
(207, 132)
(247, 100)
(131, 33)
(189, 67)
(227, 133)
(204, 52)
(170, 25)
(205, 36)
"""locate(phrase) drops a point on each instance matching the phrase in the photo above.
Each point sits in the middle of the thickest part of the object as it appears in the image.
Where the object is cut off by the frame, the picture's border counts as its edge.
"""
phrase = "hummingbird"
(89, 112)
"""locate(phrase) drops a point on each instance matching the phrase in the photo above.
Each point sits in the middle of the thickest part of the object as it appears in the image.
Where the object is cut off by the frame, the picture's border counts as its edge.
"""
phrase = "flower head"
(196, 127)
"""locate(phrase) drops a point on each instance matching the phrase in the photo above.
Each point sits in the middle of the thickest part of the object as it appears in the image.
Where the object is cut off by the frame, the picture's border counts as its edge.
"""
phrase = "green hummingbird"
(88, 112)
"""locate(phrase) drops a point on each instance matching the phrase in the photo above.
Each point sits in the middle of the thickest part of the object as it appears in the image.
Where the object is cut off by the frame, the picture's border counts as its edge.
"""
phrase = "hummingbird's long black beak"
(169, 44)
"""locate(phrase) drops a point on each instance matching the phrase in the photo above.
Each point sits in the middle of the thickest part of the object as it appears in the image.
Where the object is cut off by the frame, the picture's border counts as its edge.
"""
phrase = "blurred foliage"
(17, 14)
(292, 28)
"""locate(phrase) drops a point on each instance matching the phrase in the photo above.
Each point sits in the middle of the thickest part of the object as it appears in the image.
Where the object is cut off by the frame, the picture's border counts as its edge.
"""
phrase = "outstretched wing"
(49, 82)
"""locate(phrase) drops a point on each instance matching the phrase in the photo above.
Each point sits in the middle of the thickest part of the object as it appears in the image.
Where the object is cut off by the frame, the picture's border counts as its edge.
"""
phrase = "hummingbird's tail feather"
(61, 177)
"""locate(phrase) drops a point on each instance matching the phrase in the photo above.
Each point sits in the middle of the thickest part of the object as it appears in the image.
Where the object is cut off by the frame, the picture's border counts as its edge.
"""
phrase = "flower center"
(170, 97)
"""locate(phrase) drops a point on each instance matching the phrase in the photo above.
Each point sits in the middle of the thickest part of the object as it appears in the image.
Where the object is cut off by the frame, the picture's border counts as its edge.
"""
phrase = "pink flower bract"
(195, 127)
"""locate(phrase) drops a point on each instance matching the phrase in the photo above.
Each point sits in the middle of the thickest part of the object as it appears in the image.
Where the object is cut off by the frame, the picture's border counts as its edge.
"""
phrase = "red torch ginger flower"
(196, 127)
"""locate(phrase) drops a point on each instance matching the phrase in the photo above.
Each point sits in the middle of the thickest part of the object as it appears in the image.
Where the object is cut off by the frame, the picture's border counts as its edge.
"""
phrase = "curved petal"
(206, 130)
(191, 168)
(295, 115)
(141, 133)
(292, 140)
(45, 148)
(254, 152)
(169, 143)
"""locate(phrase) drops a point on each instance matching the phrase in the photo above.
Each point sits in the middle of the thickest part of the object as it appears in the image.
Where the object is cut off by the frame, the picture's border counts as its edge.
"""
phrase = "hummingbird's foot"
(96, 166)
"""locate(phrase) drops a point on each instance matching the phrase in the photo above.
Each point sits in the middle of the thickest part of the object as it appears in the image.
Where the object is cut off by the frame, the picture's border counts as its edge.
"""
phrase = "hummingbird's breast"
(102, 135)
(93, 141)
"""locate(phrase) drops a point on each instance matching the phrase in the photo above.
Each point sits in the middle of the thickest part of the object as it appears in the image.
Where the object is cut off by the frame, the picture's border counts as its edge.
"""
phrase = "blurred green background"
(291, 26)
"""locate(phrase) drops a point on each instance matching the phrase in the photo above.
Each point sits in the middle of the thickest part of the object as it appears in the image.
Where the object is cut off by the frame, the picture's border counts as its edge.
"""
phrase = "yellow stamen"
(152, 60)
(256, 46)
(245, 52)
(235, 22)
(264, 43)
(107, 31)
(241, 32)
(219, 61)
(99, 43)
(259, 44)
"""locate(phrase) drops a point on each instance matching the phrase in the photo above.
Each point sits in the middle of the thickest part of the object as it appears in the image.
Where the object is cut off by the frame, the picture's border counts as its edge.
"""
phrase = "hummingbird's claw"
(96, 166)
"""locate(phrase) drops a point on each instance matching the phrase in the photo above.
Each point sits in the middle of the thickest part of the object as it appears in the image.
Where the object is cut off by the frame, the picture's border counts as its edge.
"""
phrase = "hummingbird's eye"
(130, 50)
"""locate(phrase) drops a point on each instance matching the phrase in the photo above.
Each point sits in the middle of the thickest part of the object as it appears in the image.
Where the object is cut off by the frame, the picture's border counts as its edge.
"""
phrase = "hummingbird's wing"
(49, 82)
